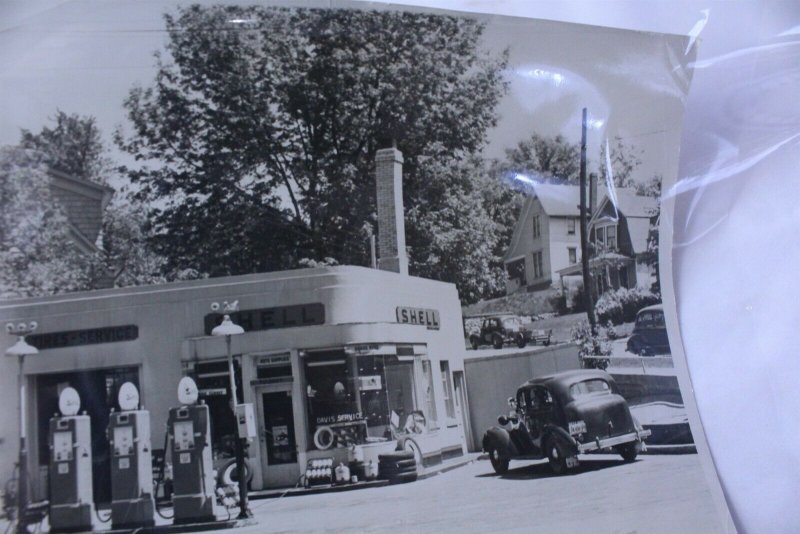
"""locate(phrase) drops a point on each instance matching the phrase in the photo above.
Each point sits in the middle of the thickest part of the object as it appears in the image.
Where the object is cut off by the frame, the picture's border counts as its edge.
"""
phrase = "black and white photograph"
(341, 266)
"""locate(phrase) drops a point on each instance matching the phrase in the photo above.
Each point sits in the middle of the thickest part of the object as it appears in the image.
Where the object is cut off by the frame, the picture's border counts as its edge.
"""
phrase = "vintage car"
(562, 415)
(499, 330)
(649, 336)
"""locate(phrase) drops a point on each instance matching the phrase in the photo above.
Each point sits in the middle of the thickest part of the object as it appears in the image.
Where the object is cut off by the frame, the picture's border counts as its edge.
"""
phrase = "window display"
(353, 399)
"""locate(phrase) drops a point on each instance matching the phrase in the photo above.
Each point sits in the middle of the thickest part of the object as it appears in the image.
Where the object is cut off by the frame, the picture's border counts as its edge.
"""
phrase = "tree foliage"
(624, 159)
(37, 256)
(73, 145)
(652, 188)
(544, 160)
(257, 138)
(125, 253)
(466, 245)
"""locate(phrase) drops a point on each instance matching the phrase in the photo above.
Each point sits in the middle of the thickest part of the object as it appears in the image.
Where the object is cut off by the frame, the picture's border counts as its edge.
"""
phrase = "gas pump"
(189, 428)
(71, 505)
(132, 504)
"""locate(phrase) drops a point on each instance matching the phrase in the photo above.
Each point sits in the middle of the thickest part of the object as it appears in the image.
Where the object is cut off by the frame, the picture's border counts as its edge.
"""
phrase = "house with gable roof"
(546, 238)
(618, 235)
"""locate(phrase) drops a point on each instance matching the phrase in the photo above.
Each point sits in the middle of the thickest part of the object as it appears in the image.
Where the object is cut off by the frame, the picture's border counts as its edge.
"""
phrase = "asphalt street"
(657, 493)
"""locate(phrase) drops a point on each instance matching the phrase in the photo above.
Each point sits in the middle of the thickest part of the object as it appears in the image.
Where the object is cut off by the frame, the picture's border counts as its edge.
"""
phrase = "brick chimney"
(391, 222)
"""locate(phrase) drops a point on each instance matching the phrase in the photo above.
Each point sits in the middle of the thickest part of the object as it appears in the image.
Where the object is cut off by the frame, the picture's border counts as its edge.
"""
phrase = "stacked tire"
(397, 467)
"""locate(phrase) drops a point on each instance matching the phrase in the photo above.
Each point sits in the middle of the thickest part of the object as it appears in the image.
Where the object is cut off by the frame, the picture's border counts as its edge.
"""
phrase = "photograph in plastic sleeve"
(251, 252)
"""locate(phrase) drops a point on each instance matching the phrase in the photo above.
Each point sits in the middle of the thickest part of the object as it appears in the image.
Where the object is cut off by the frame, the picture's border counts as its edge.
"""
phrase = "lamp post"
(21, 349)
(228, 329)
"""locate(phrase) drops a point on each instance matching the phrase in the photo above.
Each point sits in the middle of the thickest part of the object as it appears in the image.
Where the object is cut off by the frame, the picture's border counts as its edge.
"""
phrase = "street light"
(20, 349)
(228, 329)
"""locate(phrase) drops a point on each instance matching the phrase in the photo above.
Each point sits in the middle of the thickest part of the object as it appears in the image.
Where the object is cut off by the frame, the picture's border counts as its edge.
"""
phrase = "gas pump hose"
(161, 480)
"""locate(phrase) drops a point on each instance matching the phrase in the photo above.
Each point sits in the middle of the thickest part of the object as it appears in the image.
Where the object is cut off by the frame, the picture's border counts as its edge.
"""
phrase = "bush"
(621, 305)
(608, 308)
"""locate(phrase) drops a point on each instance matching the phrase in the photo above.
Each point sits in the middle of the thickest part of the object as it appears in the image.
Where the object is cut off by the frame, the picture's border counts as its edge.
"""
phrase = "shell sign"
(420, 316)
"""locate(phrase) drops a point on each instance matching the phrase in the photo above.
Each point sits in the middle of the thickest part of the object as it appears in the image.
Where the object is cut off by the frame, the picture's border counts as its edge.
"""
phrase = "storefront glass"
(447, 387)
(356, 398)
(213, 382)
(430, 404)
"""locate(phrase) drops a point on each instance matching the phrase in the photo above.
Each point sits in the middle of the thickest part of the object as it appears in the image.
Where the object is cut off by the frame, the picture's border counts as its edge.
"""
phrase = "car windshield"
(589, 387)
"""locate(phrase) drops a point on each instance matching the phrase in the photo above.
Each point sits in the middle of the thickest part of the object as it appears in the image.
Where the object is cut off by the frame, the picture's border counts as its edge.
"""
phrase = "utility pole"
(588, 299)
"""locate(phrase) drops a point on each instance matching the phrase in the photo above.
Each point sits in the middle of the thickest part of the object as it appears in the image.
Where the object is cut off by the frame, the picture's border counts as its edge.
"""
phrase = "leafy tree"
(73, 146)
(124, 251)
(257, 139)
(453, 252)
(36, 252)
(123, 257)
(652, 188)
(544, 160)
(624, 159)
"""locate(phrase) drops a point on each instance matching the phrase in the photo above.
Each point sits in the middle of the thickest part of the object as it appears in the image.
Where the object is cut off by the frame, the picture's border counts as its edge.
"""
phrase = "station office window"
(213, 382)
(447, 387)
(430, 402)
(356, 396)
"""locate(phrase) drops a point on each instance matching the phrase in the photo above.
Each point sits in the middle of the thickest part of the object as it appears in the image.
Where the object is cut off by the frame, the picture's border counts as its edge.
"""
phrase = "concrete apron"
(425, 472)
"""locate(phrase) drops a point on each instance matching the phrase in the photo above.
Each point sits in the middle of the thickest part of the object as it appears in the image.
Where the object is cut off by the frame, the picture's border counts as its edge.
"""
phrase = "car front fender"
(500, 439)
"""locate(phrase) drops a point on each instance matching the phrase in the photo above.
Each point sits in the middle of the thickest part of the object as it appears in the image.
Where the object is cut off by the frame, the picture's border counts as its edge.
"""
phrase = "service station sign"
(421, 316)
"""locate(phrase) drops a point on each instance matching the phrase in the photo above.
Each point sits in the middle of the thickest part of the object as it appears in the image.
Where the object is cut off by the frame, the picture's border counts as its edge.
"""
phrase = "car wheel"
(499, 464)
(521, 341)
(628, 451)
(473, 341)
(556, 457)
(497, 342)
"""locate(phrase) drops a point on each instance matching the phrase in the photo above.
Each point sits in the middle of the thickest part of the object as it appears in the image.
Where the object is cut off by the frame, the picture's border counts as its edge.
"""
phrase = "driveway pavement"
(654, 494)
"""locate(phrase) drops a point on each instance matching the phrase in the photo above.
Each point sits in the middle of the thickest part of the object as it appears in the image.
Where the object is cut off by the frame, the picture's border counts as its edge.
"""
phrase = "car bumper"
(612, 441)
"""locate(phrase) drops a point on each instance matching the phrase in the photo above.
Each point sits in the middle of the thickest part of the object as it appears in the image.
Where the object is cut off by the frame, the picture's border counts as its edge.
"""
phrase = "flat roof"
(354, 273)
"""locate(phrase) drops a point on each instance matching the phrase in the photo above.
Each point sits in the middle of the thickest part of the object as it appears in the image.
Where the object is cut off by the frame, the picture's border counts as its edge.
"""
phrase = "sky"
(84, 56)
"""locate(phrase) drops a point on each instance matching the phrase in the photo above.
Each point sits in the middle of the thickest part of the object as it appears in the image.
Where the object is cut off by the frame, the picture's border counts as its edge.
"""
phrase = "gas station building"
(331, 357)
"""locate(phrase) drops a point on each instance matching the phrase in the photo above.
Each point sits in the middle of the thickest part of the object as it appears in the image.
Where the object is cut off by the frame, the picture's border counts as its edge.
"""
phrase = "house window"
(538, 270)
(573, 255)
(447, 387)
(537, 229)
(600, 237)
(611, 237)
(571, 226)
